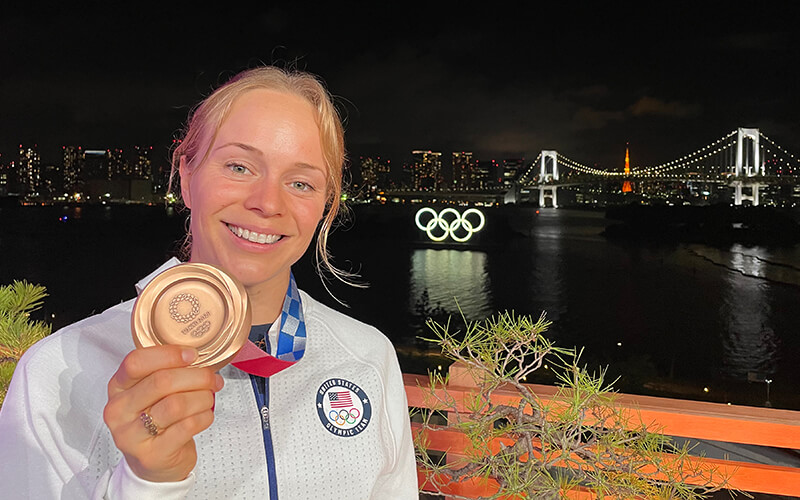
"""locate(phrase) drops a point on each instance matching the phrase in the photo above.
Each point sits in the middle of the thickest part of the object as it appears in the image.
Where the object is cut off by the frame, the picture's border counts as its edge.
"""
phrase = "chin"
(252, 275)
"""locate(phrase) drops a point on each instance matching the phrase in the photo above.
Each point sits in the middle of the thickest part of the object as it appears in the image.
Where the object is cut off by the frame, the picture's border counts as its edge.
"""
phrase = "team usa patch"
(344, 409)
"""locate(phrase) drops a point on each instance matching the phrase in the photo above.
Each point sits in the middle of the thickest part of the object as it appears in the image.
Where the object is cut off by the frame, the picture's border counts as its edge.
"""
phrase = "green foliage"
(577, 438)
(17, 330)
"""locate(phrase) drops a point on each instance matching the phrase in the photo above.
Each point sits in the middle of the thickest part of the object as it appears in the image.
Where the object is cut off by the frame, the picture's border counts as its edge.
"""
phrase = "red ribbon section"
(256, 362)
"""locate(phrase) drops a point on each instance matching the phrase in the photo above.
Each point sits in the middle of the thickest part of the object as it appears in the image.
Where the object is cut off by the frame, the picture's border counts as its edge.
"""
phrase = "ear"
(186, 177)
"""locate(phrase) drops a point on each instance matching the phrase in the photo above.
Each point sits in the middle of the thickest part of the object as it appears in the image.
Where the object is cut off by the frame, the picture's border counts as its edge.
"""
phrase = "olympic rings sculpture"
(448, 221)
(344, 416)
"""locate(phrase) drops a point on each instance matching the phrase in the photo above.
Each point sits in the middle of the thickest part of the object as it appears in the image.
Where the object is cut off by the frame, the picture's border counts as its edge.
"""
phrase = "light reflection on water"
(693, 311)
(777, 265)
(750, 345)
(450, 275)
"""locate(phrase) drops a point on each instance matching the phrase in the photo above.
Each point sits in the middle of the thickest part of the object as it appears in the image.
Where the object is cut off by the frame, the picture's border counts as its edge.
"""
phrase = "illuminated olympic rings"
(448, 221)
(344, 416)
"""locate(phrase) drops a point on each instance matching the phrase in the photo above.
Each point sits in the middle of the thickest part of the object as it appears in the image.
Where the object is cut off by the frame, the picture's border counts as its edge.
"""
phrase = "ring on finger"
(147, 420)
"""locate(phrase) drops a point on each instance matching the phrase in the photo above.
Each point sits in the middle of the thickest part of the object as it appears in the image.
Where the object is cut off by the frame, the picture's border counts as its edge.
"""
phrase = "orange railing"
(694, 420)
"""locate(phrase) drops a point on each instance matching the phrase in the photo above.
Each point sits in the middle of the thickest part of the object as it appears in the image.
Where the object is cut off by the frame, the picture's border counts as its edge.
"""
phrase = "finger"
(175, 437)
(177, 407)
(169, 441)
(140, 363)
(190, 415)
(161, 384)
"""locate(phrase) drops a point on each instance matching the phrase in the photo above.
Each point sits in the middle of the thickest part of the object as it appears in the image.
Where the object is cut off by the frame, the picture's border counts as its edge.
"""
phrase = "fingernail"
(189, 354)
(220, 381)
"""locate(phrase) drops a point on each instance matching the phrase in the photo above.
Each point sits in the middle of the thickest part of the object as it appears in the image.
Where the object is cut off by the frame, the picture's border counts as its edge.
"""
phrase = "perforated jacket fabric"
(55, 444)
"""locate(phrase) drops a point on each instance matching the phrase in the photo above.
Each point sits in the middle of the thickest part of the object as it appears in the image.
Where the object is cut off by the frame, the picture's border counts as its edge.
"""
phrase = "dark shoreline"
(711, 225)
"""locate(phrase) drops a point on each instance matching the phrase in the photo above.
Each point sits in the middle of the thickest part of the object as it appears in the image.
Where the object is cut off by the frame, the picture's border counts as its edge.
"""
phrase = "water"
(670, 319)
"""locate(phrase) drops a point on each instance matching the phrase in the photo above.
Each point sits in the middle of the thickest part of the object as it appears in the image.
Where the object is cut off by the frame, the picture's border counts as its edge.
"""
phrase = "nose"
(266, 197)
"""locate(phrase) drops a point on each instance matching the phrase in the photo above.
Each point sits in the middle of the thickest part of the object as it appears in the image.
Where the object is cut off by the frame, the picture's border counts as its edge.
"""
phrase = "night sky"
(505, 80)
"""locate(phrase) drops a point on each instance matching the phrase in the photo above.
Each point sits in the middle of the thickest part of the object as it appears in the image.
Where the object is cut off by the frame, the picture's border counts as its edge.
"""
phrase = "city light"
(99, 174)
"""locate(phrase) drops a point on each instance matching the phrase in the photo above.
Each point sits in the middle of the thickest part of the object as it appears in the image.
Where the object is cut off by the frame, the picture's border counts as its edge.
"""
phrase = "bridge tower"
(547, 176)
(744, 169)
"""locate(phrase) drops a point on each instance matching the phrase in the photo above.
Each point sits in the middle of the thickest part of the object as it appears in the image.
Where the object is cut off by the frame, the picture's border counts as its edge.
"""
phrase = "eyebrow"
(311, 167)
(240, 145)
(252, 149)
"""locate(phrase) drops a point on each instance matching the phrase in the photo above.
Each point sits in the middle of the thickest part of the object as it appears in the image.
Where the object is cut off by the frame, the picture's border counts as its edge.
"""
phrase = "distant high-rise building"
(6, 176)
(462, 170)
(29, 170)
(117, 165)
(73, 167)
(375, 173)
(511, 170)
(427, 170)
(52, 181)
(486, 174)
(96, 164)
(142, 168)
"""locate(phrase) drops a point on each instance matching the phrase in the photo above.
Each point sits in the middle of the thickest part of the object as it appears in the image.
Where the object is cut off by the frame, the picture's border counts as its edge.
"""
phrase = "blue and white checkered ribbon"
(291, 340)
(292, 336)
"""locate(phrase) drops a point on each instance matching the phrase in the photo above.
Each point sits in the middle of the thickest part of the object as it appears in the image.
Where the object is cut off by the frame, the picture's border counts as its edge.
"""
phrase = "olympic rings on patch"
(448, 221)
(343, 416)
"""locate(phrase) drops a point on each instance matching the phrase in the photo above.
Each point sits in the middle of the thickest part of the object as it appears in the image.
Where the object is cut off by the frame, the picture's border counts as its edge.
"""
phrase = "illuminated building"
(29, 170)
(52, 181)
(142, 169)
(6, 175)
(484, 174)
(73, 166)
(426, 170)
(117, 165)
(510, 171)
(375, 173)
(462, 170)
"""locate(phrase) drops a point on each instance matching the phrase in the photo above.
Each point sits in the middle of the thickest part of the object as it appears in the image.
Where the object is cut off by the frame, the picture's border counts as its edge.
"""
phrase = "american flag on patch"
(340, 399)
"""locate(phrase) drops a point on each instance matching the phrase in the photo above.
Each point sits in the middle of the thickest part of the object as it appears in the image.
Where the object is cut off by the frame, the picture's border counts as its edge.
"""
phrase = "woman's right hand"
(158, 381)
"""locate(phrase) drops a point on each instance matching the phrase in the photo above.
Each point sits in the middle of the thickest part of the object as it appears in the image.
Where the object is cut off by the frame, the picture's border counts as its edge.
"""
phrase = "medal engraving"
(178, 307)
(196, 305)
(198, 327)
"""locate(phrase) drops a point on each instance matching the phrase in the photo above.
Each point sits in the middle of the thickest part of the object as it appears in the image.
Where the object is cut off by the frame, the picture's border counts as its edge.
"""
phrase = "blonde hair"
(207, 118)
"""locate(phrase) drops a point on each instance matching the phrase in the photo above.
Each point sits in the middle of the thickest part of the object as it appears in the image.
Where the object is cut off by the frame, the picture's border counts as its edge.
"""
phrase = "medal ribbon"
(291, 340)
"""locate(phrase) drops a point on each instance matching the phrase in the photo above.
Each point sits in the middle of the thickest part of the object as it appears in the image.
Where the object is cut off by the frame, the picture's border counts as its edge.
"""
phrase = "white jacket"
(54, 443)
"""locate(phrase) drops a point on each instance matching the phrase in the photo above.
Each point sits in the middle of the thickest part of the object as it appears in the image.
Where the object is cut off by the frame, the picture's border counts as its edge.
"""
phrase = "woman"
(260, 168)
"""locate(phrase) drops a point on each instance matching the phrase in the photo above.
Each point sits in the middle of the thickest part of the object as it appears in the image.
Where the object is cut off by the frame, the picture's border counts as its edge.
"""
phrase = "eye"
(237, 168)
(302, 186)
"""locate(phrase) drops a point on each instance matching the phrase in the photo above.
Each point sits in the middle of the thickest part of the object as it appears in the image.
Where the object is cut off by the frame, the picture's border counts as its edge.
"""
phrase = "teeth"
(253, 236)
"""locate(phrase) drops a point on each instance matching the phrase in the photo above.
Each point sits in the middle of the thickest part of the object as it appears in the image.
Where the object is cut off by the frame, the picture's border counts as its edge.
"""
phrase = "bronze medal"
(196, 305)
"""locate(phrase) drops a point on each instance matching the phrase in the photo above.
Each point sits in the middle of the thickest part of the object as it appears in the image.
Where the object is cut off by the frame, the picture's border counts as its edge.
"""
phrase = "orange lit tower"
(626, 186)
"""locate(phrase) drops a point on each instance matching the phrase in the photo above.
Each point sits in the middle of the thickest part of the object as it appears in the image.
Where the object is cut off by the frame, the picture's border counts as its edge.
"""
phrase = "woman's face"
(257, 199)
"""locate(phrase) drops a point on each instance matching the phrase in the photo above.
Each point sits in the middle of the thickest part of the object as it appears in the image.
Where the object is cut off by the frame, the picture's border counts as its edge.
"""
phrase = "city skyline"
(75, 173)
(581, 79)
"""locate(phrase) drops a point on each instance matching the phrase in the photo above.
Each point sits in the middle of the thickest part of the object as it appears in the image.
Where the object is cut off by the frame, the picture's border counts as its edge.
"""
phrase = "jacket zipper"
(261, 389)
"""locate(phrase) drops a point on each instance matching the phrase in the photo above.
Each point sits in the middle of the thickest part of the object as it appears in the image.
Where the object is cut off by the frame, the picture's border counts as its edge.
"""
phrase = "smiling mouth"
(252, 236)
